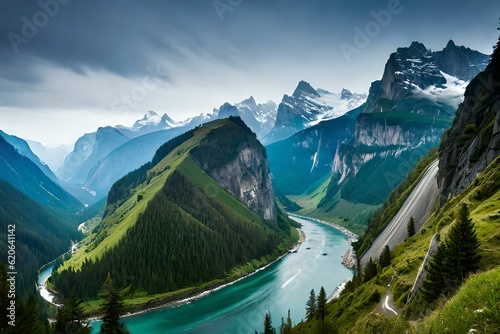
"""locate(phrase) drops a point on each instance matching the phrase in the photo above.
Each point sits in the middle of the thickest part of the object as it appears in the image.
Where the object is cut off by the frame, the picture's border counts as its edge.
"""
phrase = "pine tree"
(435, 282)
(286, 327)
(311, 306)
(28, 319)
(385, 257)
(268, 324)
(70, 318)
(370, 271)
(462, 248)
(321, 310)
(411, 227)
(111, 309)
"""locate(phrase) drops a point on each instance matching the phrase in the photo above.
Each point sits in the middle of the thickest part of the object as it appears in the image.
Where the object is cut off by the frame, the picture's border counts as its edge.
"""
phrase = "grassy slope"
(126, 215)
(336, 213)
(475, 306)
(353, 311)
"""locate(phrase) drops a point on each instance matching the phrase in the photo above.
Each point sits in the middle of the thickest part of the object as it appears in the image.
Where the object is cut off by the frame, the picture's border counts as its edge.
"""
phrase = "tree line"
(183, 238)
(32, 313)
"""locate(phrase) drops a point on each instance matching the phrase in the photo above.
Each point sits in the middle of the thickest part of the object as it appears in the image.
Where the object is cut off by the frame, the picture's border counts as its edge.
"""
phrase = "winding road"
(417, 205)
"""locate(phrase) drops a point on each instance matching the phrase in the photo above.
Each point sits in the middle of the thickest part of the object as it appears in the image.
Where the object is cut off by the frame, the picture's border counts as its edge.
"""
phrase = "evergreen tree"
(70, 318)
(111, 309)
(454, 259)
(286, 327)
(370, 271)
(462, 248)
(28, 319)
(268, 324)
(311, 306)
(435, 282)
(321, 310)
(385, 257)
(411, 227)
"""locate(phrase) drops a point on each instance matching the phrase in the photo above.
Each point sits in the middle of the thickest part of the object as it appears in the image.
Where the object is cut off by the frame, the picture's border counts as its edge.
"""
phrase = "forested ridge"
(232, 137)
(39, 236)
(122, 188)
(191, 232)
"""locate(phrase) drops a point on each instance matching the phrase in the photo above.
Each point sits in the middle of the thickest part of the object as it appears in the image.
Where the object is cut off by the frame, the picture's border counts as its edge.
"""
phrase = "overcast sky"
(70, 66)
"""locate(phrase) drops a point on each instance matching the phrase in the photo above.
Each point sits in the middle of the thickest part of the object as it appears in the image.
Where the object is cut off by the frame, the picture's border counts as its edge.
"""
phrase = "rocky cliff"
(237, 161)
(474, 139)
(343, 164)
(411, 106)
(248, 179)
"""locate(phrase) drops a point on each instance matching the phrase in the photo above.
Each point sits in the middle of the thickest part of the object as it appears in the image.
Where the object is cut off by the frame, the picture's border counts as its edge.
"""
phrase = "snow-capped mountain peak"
(150, 118)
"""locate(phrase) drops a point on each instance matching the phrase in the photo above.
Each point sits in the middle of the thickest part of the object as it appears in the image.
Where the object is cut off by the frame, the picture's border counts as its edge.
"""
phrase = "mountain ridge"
(175, 188)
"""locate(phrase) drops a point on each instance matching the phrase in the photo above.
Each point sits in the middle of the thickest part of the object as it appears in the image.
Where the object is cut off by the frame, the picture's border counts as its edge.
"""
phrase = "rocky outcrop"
(248, 179)
(461, 62)
(417, 67)
(474, 140)
(237, 161)
(349, 259)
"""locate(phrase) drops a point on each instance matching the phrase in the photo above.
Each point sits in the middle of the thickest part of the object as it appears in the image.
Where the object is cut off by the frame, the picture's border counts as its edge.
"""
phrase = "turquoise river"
(241, 306)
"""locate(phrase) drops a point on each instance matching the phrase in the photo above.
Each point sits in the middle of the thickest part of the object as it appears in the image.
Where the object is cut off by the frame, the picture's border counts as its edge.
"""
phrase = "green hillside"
(170, 220)
(355, 310)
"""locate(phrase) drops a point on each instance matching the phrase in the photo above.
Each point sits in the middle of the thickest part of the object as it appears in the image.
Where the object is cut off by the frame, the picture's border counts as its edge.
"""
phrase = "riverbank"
(349, 258)
(140, 305)
(240, 307)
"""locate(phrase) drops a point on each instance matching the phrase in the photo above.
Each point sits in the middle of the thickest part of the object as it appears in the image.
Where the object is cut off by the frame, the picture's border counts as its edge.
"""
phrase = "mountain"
(474, 141)
(39, 236)
(186, 218)
(353, 164)
(101, 158)
(52, 156)
(28, 178)
(89, 149)
(307, 107)
(425, 295)
(24, 149)
(259, 117)
(124, 159)
(151, 122)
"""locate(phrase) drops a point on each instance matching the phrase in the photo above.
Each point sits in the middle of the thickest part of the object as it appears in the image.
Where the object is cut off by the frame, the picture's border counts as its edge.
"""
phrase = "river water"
(241, 307)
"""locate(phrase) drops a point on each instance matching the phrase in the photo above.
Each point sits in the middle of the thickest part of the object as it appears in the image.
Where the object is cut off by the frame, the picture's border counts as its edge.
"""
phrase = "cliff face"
(474, 139)
(407, 111)
(248, 179)
(363, 159)
(237, 161)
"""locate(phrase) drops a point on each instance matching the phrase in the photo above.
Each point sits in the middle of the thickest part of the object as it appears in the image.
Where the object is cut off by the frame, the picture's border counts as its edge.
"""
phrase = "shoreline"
(349, 259)
(177, 303)
(350, 236)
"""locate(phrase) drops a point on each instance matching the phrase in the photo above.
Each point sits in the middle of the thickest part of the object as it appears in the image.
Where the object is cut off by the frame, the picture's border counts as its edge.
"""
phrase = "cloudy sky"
(70, 66)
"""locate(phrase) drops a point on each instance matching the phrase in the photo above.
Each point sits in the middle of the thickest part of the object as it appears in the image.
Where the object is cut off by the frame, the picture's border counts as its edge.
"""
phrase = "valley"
(249, 191)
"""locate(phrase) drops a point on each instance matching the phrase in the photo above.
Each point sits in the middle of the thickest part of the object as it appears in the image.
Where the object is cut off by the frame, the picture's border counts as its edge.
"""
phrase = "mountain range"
(415, 288)
(345, 167)
(100, 158)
